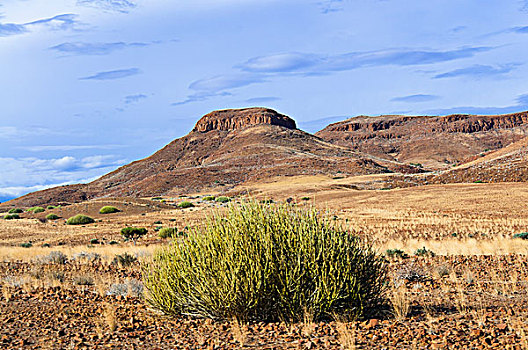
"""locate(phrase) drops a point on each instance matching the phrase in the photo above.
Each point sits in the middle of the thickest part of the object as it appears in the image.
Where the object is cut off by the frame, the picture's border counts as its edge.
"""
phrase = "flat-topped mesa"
(233, 119)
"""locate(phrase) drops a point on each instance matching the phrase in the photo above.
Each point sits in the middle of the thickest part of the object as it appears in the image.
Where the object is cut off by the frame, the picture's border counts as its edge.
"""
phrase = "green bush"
(52, 216)
(305, 198)
(393, 253)
(107, 209)
(133, 232)
(26, 245)
(522, 235)
(266, 262)
(168, 232)
(51, 207)
(15, 211)
(209, 198)
(424, 252)
(185, 204)
(80, 219)
(11, 217)
(36, 210)
(222, 199)
(94, 241)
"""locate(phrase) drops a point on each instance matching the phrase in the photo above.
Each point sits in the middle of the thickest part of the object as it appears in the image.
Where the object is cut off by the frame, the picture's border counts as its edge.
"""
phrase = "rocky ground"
(437, 302)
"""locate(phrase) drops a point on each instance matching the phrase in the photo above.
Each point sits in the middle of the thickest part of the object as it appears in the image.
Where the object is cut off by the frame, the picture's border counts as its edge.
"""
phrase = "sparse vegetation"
(522, 235)
(26, 245)
(16, 211)
(124, 259)
(36, 210)
(222, 199)
(424, 252)
(396, 253)
(266, 262)
(133, 232)
(185, 205)
(108, 209)
(168, 232)
(52, 216)
(51, 207)
(80, 219)
(209, 198)
(11, 216)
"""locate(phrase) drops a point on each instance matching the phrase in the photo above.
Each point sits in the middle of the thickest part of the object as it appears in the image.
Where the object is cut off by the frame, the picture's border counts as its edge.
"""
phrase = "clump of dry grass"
(400, 301)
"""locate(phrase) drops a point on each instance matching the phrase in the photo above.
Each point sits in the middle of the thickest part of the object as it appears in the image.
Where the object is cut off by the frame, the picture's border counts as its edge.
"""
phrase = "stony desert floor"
(63, 287)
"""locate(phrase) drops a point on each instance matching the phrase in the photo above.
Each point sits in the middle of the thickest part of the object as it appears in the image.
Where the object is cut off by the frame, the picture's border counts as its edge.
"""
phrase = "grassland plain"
(471, 293)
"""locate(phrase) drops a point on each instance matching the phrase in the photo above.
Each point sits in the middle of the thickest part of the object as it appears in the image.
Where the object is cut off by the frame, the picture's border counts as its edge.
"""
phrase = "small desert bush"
(51, 207)
(222, 199)
(80, 219)
(26, 245)
(131, 288)
(124, 259)
(185, 204)
(396, 253)
(107, 209)
(11, 217)
(168, 232)
(209, 198)
(36, 210)
(15, 211)
(54, 257)
(522, 235)
(266, 262)
(133, 232)
(424, 252)
(52, 216)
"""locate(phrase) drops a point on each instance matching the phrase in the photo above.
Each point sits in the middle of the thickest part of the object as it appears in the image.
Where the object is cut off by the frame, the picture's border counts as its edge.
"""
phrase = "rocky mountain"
(225, 148)
(435, 142)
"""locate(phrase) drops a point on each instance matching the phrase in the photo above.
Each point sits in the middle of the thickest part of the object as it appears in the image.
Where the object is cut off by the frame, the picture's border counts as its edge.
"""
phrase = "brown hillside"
(224, 149)
(509, 164)
(436, 142)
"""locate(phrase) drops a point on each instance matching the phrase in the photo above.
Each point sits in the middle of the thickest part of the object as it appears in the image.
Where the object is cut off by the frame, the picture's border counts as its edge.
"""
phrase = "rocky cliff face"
(233, 119)
(436, 142)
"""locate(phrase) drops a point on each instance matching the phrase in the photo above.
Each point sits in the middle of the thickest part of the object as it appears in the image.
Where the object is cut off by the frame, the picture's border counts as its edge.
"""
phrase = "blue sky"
(88, 85)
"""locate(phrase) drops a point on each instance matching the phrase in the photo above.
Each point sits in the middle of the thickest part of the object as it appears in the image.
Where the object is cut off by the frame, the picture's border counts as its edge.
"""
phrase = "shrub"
(133, 232)
(132, 288)
(52, 216)
(393, 253)
(94, 241)
(113, 242)
(107, 209)
(11, 217)
(168, 232)
(51, 207)
(26, 245)
(36, 210)
(424, 252)
(185, 204)
(266, 262)
(266, 201)
(209, 198)
(15, 211)
(222, 199)
(305, 198)
(54, 257)
(522, 235)
(158, 222)
(124, 259)
(87, 257)
(83, 280)
(80, 219)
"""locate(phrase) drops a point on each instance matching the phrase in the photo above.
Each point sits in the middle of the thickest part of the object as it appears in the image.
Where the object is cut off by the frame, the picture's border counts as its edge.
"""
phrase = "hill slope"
(225, 148)
(436, 142)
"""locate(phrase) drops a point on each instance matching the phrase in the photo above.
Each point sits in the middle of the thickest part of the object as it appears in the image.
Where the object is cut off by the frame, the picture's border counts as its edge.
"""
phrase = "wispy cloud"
(47, 148)
(59, 22)
(123, 6)
(311, 63)
(201, 96)
(520, 105)
(479, 71)
(416, 98)
(330, 6)
(30, 131)
(113, 74)
(80, 48)
(134, 98)
(263, 68)
(263, 99)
